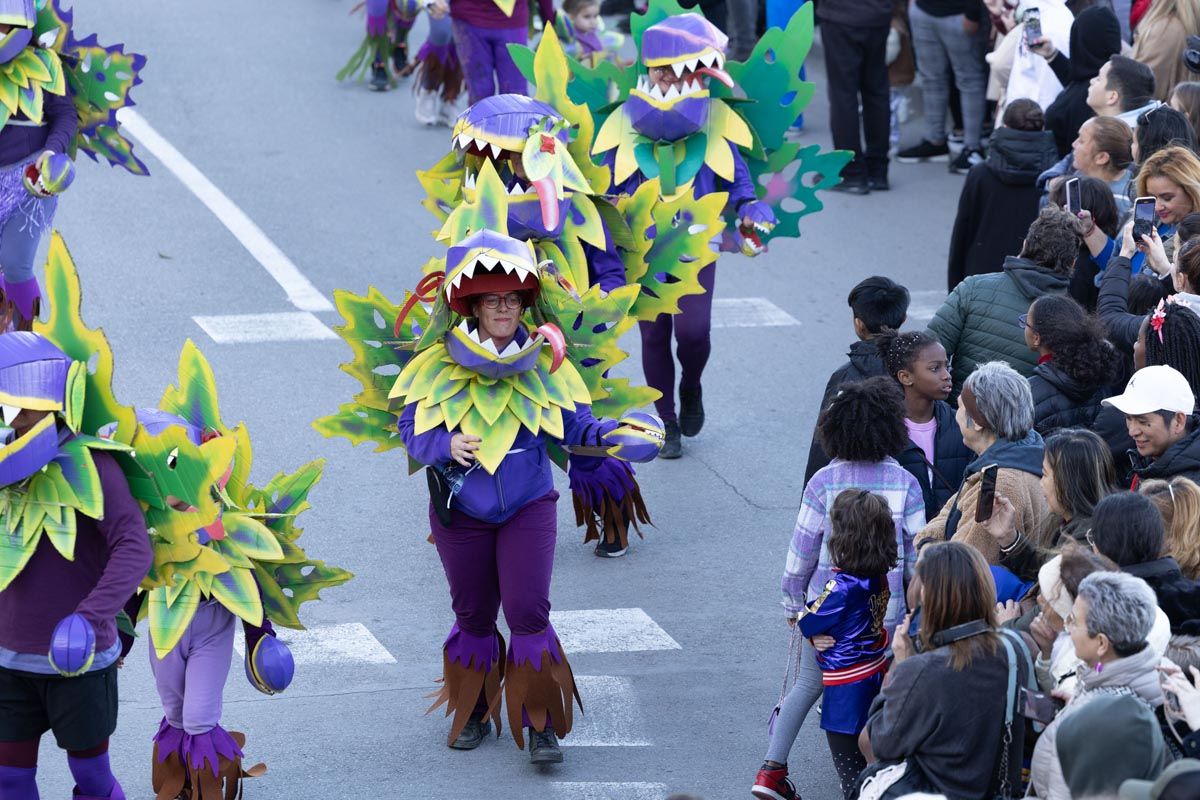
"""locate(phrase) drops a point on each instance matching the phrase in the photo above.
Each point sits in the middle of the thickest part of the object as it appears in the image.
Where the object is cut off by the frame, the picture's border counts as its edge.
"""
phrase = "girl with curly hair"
(1076, 364)
(861, 428)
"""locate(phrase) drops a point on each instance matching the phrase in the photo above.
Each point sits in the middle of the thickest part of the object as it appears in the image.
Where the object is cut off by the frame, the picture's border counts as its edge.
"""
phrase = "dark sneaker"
(610, 549)
(925, 151)
(400, 57)
(473, 734)
(543, 747)
(379, 77)
(773, 784)
(672, 446)
(691, 411)
(966, 158)
(955, 137)
(852, 186)
(878, 183)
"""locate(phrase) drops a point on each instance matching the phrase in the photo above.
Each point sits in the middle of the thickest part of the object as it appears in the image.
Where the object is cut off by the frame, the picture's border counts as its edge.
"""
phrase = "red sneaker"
(773, 784)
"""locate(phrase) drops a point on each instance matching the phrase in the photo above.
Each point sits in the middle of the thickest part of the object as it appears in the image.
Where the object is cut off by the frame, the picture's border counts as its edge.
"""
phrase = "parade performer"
(223, 549)
(480, 401)
(388, 24)
(74, 546)
(483, 30)
(439, 75)
(53, 103)
(679, 139)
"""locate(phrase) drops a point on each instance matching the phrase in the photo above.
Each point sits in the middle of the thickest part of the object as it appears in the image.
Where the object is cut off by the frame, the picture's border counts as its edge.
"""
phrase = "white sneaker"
(426, 110)
(447, 114)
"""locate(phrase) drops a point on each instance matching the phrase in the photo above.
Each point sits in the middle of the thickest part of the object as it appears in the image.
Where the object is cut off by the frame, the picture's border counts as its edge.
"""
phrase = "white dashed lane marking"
(348, 643)
(611, 715)
(292, 326)
(749, 312)
(610, 630)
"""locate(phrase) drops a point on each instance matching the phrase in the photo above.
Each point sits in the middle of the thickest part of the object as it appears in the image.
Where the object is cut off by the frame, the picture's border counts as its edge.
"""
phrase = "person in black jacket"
(879, 304)
(1095, 38)
(999, 199)
(935, 455)
(1076, 364)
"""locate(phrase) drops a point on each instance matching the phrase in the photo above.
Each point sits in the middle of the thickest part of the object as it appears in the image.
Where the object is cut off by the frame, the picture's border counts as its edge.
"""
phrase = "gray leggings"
(800, 699)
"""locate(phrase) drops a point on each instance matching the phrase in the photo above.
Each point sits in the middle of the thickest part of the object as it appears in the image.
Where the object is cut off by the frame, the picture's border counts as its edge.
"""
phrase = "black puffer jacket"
(1178, 595)
(1181, 458)
(950, 459)
(1060, 401)
(865, 362)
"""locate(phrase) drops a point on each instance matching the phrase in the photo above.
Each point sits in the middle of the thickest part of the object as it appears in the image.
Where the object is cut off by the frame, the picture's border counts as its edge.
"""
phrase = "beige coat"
(1023, 490)
(1160, 45)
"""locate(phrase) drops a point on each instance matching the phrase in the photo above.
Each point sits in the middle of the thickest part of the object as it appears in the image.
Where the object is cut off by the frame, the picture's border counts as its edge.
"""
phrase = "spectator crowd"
(993, 583)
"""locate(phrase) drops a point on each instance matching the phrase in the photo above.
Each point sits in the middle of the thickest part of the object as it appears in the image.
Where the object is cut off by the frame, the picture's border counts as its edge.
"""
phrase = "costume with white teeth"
(60, 94)
(494, 523)
(696, 153)
(222, 549)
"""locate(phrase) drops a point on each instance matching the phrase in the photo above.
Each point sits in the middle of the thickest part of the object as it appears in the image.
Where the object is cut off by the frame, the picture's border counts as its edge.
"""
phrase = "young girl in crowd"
(1076, 364)
(1186, 98)
(1178, 500)
(860, 428)
(935, 453)
(862, 549)
(582, 33)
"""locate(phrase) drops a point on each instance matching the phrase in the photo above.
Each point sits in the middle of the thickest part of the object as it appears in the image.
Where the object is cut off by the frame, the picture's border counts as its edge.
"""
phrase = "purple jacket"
(59, 124)
(486, 14)
(112, 555)
(741, 189)
(522, 476)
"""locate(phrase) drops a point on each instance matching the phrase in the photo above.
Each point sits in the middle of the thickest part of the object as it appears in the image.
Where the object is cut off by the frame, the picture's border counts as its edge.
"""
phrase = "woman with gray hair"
(1108, 624)
(995, 415)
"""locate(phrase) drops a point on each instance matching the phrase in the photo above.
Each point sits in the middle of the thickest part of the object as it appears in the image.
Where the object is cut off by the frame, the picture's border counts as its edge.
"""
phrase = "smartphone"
(1039, 707)
(987, 494)
(1033, 26)
(1143, 218)
(1074, 202)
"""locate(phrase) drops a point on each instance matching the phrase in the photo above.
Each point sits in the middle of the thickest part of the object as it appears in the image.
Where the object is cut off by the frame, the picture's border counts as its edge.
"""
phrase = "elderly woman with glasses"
(1109, 623)
(995, 415)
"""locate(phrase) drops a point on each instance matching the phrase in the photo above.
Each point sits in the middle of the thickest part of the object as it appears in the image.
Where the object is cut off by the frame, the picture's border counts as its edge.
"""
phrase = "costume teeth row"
(490, 262)
(516, 189)
(9, 413)
(465, 140)
(674, 91)
(473, 334)
(707, 59)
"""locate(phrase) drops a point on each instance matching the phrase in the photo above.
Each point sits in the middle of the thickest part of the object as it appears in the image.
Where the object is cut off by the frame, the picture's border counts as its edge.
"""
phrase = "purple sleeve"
(741, 189)
(605, 267)
(431, 447)
(62, 119)
(129, 556)
(804, 552)
(581, 428)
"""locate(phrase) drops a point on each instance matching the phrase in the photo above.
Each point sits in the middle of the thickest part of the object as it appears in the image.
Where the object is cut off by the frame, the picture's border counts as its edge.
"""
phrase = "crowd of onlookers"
(994, 579)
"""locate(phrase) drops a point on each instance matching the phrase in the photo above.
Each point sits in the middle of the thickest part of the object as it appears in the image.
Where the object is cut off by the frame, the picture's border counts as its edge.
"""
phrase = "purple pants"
(191, 679)
(485, 59)
(489, 565)
(691, 326)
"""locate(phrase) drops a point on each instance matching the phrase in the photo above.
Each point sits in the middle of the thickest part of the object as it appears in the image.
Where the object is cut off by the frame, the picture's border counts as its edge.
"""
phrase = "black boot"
(614, 549)
(691, 411)
(672, 448)
(476, 730)
(543, 747)
(379, 77)
(400, 57)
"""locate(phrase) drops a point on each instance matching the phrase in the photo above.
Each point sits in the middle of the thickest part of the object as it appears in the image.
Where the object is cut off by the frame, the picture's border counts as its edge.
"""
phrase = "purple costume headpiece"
(22, 16)
(33, 375)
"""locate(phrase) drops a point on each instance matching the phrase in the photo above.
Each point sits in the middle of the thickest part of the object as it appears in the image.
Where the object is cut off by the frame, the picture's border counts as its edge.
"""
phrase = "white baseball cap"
(1159, 388)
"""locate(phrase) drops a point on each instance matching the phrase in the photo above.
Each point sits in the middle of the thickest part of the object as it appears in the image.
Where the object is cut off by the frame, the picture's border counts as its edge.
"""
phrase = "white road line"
(300, 291)
(611, 715)
(609, 791)
(749, 312)
(610, 630)
(290, 326)
(349, 643)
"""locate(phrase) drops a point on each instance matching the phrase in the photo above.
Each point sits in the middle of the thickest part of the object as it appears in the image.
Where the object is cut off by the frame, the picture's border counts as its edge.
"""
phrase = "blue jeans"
(944, 48)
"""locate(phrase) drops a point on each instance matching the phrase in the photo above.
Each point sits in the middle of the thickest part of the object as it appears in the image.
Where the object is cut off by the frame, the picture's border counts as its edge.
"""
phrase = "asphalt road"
(246, 92)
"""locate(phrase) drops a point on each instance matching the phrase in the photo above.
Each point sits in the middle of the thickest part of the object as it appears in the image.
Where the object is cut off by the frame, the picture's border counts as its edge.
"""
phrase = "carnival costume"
(483, 31)
(58, 95)
(493, 523)
(691, 148)
(73, 546)
(221, 548)
(550, 203)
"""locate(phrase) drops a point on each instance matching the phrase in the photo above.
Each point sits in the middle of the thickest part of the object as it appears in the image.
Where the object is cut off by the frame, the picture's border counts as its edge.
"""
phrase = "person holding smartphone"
(995, 415)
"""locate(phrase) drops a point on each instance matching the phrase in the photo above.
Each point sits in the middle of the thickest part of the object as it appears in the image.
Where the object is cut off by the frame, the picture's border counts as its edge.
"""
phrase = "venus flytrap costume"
(493, 522)
(222, 548)
(58, 95)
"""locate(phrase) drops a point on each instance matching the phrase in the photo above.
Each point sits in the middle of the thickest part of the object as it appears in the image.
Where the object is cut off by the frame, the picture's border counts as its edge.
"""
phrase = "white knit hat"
(1050, 582)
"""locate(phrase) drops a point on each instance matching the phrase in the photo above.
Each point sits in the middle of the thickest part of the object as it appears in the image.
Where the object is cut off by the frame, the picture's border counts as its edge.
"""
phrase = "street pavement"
(679, 647)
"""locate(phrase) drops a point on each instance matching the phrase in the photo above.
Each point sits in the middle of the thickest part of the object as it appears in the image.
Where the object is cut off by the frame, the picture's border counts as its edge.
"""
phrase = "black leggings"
(848, 760)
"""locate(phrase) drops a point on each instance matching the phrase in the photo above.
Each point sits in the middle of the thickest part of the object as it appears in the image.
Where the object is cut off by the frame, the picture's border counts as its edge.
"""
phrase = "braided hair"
(1179, 346)
(1077, 340)
(899, 351)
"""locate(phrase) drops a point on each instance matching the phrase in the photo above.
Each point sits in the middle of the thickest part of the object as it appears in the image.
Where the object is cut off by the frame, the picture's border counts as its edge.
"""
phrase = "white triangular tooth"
(710, 58)
(530, 189)
(469, 269)
(515, 189)
(496, 149)
(678, 67)
(488, 261)
(474, 334)
(470, 181)
(672, 92)
(491, 345)
(692, 63)
(512, 349)
(465, 327)
(656, 93)
(456, 280)
(464, 141)
(720, 61)
(481, 145)
(10, 412)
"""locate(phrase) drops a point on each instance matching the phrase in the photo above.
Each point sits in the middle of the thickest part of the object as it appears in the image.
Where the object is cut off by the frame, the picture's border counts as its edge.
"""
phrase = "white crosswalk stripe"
(348, 643)
(611, 718)
(749, 312)
(609, 791)
(610, 630)
(291, 326)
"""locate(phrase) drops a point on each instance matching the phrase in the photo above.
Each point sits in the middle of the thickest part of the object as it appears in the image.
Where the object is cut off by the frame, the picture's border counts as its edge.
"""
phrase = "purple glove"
(72, 646)
(639, 437)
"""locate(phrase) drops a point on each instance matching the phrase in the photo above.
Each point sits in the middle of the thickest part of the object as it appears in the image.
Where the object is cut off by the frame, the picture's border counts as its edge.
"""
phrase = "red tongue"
(719, 74)
(548, 197)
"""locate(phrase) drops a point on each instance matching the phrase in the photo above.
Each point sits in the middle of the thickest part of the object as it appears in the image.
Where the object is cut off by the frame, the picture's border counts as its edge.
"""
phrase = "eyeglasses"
(1023, 321)
(1144, 117)
(492, 301)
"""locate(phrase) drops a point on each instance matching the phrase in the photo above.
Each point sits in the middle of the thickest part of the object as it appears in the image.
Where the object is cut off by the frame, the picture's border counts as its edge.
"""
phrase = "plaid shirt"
(808, 565)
